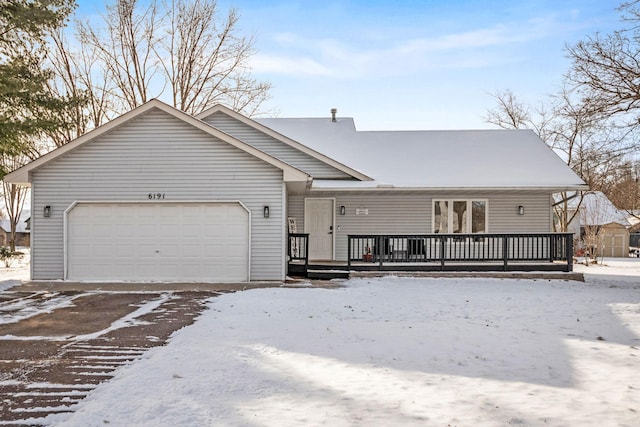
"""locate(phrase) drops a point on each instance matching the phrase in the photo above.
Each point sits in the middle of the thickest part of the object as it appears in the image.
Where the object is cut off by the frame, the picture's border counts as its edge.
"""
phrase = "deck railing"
(459, 251)
(298, 248)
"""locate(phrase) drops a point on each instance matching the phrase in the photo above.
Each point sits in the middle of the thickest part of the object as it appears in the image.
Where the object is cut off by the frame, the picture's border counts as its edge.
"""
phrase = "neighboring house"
(633, 217)
(159, 195)
(602, 223)
(23, 230)
(634, 233)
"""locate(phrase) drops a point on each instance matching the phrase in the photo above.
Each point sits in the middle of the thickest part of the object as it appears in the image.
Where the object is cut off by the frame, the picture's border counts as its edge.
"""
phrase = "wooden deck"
(534, 252)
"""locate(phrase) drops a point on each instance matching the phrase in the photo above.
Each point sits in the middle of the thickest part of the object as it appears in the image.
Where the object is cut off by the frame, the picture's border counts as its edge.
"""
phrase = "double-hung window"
(459, 216)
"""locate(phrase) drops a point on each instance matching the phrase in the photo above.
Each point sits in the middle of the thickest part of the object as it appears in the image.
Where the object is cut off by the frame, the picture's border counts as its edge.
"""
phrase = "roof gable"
(305, 150)
(21, 175)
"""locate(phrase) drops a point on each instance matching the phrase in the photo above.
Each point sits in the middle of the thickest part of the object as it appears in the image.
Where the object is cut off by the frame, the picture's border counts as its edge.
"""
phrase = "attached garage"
(157, 241)
(156, 195)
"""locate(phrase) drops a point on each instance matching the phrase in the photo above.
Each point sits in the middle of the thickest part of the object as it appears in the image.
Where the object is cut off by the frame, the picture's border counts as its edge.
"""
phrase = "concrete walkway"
(64, 286)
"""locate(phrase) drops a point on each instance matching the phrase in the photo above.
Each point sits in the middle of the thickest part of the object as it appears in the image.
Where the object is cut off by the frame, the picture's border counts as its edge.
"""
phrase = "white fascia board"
(283, 138)
(454, 189)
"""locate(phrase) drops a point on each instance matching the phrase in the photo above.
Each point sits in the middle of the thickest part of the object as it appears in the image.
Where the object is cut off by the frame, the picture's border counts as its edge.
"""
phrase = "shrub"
(8, 256)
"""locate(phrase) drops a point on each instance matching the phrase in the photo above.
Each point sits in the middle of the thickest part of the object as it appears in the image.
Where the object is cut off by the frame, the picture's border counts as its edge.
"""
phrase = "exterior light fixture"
(343, 210)
(47, 211)
(265, 211)
(520, 210)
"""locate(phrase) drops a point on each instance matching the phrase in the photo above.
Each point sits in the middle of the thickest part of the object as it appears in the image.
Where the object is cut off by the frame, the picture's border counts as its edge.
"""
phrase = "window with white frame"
(459, 216)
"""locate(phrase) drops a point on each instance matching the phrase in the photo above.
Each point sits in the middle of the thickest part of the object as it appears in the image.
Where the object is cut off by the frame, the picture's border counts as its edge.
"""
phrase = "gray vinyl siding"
(272, 146)
(411, 212)
(157, 153)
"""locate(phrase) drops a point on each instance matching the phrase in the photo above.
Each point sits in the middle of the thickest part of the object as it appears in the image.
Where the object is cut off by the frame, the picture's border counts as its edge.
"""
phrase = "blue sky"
(411, 64)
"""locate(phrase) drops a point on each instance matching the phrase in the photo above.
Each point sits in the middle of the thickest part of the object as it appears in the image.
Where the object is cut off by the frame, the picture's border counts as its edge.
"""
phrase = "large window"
(459, 216)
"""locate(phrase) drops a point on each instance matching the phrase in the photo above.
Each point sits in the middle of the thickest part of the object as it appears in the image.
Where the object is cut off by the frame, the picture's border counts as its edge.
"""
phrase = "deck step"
(327, 274)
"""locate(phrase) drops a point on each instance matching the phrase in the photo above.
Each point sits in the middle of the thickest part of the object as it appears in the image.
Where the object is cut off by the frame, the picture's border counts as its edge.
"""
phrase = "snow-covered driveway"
(459, 352)
(56, 346)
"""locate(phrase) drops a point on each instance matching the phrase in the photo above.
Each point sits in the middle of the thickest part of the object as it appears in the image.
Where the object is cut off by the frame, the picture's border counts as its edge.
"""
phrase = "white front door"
(318, 222)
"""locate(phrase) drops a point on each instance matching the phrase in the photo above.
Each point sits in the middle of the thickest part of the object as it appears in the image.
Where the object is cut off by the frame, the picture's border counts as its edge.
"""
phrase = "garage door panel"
(103, 251)
(212, 250)
(99, 215)
(213, 212)
(158, 242)
(193, 211)
(189, 230)
(121, 211)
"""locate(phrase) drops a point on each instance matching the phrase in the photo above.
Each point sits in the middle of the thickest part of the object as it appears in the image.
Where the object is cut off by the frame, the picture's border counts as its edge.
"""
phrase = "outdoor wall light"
(47, 211)
(343, 210)
(265, 211)
(520, 210)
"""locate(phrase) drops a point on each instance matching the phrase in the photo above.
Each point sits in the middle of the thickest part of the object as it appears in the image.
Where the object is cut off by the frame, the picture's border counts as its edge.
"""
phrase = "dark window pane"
(478, 216)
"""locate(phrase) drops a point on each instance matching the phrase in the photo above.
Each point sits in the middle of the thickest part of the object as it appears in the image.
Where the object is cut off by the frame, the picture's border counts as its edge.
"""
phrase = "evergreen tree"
(27, 108)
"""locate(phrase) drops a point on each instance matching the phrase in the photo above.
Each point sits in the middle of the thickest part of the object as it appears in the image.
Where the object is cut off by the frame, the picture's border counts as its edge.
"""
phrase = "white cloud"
(278, 64)
(362, 57)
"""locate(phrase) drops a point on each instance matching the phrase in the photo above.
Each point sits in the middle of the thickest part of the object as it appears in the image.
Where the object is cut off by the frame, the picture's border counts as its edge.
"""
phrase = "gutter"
(391, 188)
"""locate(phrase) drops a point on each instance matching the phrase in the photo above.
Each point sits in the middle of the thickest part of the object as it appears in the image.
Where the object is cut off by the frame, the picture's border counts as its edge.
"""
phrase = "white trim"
(283, 232)
(457, 189)
(333, 219)
(283, 138)
(75, 203)
(469, 216)
(31, 234)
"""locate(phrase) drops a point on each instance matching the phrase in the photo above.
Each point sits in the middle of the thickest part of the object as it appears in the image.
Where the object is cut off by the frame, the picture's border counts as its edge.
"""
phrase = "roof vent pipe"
(334, 111)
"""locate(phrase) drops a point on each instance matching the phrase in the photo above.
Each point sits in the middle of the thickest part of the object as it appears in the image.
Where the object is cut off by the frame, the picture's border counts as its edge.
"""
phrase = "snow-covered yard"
(395, 351)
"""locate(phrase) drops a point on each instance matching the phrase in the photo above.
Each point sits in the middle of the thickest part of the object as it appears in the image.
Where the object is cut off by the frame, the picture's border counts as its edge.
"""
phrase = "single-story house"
(603, 228)
(160, 195)
(23, 230)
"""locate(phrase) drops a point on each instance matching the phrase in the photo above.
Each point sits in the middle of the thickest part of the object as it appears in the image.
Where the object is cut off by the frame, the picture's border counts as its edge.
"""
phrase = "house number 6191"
(156, 196)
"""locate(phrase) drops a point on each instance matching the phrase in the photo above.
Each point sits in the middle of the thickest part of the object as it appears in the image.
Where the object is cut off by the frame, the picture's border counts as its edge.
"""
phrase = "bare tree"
(596, 215)
(556, 132)
(509, 113)
(14, 196)
(75, 76)
(592, 238)
(587, 139)
(142, 50)
(605, 68)
(606, 71)
(625, 188)
(124, 49)
(204, 59)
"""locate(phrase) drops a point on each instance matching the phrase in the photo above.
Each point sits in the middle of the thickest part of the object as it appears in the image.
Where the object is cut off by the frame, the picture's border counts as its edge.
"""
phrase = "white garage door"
(177, 242)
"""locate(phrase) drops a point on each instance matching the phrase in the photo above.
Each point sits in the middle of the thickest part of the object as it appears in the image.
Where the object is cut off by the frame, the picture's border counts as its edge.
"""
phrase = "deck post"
(380, 249)
(505, 251)
(569, 252)
(306, 253)
(349, 252)
(442, 252)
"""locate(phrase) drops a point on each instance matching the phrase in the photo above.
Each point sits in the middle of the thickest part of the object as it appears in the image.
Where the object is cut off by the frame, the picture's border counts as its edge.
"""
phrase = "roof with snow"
(21, 227)
(449, 159)
(597, 209)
